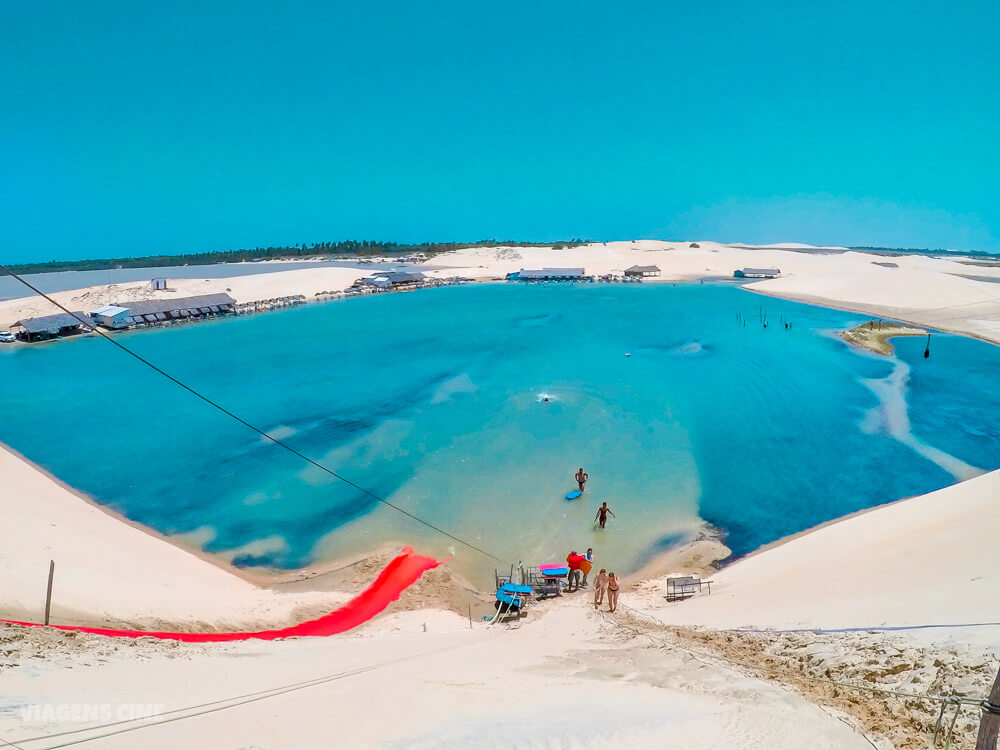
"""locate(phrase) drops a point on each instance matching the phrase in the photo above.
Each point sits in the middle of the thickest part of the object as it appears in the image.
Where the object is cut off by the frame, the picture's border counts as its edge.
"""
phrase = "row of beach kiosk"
(121, 316)
(124, 316)
(634, 273)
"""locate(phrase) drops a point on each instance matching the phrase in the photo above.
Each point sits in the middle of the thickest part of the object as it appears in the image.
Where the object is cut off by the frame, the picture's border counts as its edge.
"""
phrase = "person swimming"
(581, 478)
(602, 514)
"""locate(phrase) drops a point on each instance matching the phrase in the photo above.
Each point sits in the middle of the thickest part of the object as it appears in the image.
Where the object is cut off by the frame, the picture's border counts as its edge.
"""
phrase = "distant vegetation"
(348, 249)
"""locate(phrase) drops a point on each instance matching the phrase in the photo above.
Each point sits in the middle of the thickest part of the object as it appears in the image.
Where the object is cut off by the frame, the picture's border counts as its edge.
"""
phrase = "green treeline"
(348, 248)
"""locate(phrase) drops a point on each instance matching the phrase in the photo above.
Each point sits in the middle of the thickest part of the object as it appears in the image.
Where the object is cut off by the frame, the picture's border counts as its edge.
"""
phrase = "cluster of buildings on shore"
(635, 273)
(756, 273)
(389, 280)
(398, 281)
(124, 316)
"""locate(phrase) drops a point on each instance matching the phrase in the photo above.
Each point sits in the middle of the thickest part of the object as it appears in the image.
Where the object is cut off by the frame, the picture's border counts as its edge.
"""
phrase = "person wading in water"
(581, 478)
(602, 514)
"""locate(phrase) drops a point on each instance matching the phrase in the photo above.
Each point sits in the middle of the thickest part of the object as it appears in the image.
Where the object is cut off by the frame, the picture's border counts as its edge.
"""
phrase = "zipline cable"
(245, 423)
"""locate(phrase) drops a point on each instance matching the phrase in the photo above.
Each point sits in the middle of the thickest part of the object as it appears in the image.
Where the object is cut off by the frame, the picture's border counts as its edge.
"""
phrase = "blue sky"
(129, 129)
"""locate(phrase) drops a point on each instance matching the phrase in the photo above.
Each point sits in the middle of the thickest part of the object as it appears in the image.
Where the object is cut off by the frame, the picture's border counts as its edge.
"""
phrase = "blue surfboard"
(573, 495)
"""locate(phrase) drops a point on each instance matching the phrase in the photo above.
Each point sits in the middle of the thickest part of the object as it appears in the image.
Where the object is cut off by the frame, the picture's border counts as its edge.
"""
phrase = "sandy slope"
(564, 679)
(933, 559)
(108, 570)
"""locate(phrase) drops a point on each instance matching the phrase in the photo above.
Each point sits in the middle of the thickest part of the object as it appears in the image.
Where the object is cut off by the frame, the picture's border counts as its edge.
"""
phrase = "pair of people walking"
(606, 583)
(578, 564)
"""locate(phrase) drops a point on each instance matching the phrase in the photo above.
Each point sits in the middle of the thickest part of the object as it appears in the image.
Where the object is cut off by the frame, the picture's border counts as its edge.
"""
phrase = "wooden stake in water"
(48, 590)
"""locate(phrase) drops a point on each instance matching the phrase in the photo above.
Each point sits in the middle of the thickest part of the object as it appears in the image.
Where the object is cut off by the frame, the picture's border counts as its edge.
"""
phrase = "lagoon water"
(682, 414)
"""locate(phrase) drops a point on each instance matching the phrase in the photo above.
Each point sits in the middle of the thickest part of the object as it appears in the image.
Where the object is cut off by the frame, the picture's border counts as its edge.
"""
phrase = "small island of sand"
(875, 334)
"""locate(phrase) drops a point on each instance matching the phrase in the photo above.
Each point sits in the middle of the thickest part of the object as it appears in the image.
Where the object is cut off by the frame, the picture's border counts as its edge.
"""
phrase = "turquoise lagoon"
(683, 408)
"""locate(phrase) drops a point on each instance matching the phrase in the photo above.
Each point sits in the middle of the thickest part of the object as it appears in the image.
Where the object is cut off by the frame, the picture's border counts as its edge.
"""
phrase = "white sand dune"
(567, 678)
(563, 680)
(929, 560)
(110, 571)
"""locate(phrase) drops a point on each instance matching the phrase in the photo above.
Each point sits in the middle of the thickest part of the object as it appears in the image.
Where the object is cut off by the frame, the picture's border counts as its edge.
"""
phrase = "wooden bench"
(679, 589)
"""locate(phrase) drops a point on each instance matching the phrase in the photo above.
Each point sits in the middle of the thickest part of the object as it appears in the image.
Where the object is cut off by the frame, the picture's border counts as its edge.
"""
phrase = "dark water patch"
(258, 561)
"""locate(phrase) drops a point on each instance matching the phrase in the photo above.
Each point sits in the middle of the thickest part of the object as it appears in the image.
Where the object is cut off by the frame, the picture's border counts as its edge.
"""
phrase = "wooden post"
(48, 590)
(470, 616)
(989, 723)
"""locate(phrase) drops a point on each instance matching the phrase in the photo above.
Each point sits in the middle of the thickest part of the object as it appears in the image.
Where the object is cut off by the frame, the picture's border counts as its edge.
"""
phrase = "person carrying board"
(581, 478)
(602, 514)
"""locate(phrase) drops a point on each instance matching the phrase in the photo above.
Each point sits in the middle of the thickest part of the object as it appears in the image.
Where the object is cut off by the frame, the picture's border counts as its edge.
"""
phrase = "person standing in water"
(602, 514)
(581, 478)
(600, 588)
(613, 585)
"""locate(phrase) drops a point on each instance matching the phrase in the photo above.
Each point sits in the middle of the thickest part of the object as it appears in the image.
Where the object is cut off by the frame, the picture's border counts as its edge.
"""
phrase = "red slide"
(398, 575)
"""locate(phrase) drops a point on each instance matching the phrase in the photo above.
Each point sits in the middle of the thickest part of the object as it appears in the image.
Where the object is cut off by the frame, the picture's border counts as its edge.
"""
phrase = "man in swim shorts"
(600, 588)
(602, 514)
(573, 561)
(581, 478)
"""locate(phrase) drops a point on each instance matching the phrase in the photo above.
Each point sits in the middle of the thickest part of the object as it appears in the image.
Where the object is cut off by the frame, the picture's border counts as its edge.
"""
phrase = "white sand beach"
(673, 675)
(929, 291)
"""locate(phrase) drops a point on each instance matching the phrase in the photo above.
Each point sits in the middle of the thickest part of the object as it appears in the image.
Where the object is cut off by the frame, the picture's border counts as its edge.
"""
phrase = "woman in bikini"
(613, 585)
(600, 588)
